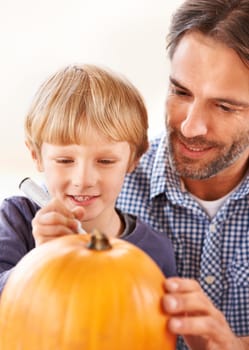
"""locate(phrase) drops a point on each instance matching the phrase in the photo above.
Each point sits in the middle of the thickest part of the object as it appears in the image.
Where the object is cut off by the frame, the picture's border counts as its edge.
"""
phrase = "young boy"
(86, 129)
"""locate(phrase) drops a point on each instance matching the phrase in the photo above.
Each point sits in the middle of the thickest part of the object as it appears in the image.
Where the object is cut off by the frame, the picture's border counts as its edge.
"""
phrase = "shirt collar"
(243, 188)
(165, 181)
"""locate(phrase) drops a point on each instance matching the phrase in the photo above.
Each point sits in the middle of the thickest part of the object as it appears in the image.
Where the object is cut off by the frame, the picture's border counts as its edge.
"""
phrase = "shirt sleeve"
(16, 239)
(156, 244)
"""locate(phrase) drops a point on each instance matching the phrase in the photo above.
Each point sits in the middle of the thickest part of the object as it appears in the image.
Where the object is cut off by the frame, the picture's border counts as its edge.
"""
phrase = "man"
(193, 183)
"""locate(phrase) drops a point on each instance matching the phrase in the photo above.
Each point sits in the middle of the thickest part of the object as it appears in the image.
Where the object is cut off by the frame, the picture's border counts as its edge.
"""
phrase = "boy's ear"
(35, 156)
(132, 166)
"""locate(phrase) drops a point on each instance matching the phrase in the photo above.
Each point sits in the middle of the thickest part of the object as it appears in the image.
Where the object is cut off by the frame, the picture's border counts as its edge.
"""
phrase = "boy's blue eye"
(106, 161)
(64, 161)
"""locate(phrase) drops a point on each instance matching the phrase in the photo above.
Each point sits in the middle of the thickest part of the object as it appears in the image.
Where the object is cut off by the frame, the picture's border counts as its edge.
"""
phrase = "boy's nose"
(84, 177)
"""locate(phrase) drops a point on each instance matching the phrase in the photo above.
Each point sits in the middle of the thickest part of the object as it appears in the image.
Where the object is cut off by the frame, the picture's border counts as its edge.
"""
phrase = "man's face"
(207, 108)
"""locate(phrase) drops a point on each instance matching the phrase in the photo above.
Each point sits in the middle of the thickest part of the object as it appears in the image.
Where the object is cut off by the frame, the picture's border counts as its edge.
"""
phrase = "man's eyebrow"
(228, 100)
(176, 83)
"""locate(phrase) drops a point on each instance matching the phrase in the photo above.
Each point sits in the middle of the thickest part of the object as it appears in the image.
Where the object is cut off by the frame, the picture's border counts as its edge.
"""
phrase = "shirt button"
(209, 279)
(212, 228)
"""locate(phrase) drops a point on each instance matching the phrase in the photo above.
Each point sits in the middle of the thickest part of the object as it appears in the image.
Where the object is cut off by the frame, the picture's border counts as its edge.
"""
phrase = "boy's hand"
(54, 220)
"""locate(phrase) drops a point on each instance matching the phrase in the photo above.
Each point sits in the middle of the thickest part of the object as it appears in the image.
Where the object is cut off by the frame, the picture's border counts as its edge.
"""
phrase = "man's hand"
(192, 315)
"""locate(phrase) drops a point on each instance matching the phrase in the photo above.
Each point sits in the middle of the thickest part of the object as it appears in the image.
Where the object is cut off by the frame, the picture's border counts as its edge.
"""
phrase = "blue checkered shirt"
(213, 251)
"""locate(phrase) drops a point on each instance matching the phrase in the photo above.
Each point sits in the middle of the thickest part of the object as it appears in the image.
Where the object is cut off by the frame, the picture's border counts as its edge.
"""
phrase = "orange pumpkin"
(70, 294)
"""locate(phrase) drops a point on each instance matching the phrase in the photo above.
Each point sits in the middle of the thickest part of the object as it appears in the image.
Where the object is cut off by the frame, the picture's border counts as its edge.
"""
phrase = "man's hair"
(226, 21)
(80, 97)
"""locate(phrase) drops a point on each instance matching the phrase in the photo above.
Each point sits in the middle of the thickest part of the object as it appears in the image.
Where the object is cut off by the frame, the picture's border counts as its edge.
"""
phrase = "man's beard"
(201, 169)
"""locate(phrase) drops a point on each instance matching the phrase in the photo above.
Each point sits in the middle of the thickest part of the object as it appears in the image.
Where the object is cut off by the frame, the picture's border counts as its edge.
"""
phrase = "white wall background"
(39, 36)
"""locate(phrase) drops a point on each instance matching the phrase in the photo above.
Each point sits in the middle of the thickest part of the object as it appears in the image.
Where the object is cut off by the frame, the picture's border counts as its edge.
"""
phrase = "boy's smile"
(83, 200)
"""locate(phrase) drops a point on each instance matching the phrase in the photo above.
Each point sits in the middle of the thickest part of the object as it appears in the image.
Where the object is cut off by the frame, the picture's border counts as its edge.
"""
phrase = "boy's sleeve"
(16, 239)
(3, 279)
(169, 266)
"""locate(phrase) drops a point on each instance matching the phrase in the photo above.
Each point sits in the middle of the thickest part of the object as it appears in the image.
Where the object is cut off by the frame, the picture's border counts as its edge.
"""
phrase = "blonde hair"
(80, 97)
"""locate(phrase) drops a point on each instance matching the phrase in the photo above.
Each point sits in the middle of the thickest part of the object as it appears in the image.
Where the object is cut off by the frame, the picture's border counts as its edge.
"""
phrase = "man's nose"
(195, 122)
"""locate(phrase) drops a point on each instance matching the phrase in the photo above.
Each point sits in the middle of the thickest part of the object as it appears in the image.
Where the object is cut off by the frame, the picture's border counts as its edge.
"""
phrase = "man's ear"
(35, 154)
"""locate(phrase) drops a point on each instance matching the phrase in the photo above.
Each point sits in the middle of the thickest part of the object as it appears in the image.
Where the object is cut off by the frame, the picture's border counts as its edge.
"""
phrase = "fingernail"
(171, 303)
(172, 285)
(175, 323)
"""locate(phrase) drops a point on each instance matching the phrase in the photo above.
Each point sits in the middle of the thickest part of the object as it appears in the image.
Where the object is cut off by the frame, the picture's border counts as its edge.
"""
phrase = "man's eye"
(179, 92)
(227, 109)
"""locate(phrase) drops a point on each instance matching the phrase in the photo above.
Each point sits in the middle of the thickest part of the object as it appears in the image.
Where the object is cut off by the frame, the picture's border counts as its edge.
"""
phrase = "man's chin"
(192, 172)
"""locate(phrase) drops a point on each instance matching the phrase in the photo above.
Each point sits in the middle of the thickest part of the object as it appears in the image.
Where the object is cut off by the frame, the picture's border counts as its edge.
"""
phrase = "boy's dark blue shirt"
(16, 239)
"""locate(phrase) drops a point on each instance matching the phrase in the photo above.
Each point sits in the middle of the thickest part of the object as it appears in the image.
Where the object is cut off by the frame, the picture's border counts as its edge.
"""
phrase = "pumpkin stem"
(99, 241)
